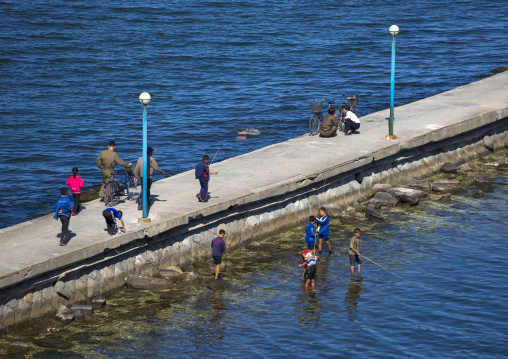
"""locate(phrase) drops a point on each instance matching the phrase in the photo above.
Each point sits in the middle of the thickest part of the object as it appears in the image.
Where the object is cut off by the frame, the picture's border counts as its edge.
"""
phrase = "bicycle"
(316, 108)
(113, 188)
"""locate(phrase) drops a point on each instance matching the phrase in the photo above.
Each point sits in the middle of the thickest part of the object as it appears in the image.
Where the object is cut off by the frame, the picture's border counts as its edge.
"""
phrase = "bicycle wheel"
(342, 125)
(314, 123)
(111, 196)
(132, 189)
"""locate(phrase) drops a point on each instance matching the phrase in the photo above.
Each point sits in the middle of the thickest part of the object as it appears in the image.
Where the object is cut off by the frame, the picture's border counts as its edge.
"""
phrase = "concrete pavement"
(32, 248)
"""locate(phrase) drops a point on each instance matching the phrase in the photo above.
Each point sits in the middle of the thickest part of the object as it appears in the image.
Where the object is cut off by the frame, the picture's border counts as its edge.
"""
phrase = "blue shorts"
(354, 259)
(310, 245)
(323, 237)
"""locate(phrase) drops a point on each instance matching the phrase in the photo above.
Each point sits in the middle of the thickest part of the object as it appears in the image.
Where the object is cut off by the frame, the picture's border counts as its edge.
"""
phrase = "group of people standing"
(319, 228)
(330, 123)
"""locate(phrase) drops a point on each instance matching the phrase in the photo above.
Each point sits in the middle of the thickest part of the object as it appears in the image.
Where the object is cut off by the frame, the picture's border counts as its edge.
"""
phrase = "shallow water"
(451, 302)
(71, 73)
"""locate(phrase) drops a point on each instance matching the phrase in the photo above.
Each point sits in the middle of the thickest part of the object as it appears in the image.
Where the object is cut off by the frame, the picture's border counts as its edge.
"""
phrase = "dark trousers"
(110, 221)
(203, 193)
(148, 185)
(76, 196)
(350, 125)
(65, 228)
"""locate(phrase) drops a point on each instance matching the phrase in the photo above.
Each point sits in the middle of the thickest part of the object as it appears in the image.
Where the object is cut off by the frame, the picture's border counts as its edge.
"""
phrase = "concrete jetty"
(254, 194)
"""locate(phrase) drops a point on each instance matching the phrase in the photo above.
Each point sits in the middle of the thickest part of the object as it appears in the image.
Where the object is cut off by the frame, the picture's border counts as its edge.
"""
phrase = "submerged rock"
(446, 198)
(98, 302)
(422, 185)
(379, 187)
(483, 184)
(406, 195)
(17, 348)
(449, 186)
(65, 314)
(139, 282)
(215, 284)
(503, 166)
(170, 272)
(83, 309)
(383, 199)
(372, 213)
(53, 343)
(186, 277)
(449, 167)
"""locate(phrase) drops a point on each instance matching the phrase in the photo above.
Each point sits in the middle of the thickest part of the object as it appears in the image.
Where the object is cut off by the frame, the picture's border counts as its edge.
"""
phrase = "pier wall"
(344, 176)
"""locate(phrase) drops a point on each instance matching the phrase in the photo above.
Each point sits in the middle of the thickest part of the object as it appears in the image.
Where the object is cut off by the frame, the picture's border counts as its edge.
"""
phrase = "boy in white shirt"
(311, 271)
(351, 120)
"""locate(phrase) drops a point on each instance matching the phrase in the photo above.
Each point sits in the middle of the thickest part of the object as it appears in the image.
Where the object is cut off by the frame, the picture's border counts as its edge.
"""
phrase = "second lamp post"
(144, 98)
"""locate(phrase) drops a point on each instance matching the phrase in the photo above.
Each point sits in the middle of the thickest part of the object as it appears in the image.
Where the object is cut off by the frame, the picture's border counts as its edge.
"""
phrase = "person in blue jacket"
(203, 175)
(323, 229)
(111, 214)
(310, 235)
(63, 208)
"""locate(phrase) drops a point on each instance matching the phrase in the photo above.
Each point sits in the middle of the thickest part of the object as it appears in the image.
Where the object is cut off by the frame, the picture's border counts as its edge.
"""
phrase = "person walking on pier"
(138, 172)
(63, 208)
(310, 235)
(352, 122)
(111, 214)
(202, 174)
(106, 162)
(329, 125)
(354, 253)
(323, 230)
(75, 183)
(218, 247)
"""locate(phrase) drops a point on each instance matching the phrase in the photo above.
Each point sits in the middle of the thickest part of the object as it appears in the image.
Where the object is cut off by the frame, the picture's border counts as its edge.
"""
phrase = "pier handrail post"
(144, 98)
(394, 30)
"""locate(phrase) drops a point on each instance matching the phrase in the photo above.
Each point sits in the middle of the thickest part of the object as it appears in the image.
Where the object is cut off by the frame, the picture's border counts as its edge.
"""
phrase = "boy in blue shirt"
(323, 230)
(310, 235)
(63, 208)
(111, 214)
(202, 174)
(218, 247)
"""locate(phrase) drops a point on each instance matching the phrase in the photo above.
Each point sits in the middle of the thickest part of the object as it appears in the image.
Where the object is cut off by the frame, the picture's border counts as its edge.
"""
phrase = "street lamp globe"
(393, 30)
(144, 98)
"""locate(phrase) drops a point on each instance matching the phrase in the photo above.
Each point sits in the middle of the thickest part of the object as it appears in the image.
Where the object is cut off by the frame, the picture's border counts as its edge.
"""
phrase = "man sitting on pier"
(329, 125)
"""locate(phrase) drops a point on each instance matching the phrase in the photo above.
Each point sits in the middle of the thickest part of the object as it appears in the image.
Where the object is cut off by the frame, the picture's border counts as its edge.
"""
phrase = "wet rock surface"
(483, 184)
(449, 167)
(372, 213)
(406, 195)
(53, 343)
(98, 302)
(140, 282)
(422, 185)
(447, 186)
(383, 199)
(379, 187)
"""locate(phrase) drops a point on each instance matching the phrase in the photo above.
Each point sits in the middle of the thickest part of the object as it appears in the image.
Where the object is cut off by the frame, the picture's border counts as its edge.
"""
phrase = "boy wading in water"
(203, 175)
(323, 230)
(310, 235)
(63, 208)
(311, 271)
(218, 247)
(354, 253)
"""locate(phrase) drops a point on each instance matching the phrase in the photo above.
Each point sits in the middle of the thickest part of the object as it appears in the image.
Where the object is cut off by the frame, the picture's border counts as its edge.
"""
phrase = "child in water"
(75, 183)
(311, 271)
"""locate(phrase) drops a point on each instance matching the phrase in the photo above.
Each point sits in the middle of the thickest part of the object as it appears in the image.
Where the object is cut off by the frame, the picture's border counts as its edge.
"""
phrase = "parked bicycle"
(115, 187)
(316, 108)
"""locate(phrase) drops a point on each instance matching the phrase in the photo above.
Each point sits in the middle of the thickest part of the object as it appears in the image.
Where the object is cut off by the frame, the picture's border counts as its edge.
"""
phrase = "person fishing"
(138, 172)
(202, 173)
(106, 162)
(311, 269)
(323, 230)
(310, 235)
(354, 253)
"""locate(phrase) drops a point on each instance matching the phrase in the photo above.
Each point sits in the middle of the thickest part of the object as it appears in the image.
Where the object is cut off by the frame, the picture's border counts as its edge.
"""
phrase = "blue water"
(451, 302)
(71, 73)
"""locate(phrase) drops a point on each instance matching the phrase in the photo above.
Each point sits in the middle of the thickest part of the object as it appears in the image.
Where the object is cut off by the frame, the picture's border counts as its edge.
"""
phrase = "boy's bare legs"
(352, 271)
(307, 283)
(320, 244)
(313, 285)
(217, 268)
(329, 246)
(359, 270)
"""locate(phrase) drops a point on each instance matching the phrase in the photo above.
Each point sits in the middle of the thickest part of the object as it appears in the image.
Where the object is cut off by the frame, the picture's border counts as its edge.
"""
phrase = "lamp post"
(393, 30)
(144, 98)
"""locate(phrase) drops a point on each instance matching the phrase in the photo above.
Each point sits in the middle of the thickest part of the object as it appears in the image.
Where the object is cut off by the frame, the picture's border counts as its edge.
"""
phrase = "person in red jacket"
(75, 183)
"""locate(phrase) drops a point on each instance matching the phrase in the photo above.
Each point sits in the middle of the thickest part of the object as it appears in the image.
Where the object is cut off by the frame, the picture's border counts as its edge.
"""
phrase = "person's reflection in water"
(310, 308)
(352, 298)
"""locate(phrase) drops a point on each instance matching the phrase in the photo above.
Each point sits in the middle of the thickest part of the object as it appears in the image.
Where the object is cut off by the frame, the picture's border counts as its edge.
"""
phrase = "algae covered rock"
(449, 167)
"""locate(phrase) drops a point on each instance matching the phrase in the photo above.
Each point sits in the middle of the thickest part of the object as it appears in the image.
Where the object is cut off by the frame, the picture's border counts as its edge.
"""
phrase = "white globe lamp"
(144, 98)
(393, 30)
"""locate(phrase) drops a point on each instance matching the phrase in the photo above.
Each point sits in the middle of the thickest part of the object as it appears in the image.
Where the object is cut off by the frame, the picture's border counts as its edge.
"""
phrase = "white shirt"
(350, 115)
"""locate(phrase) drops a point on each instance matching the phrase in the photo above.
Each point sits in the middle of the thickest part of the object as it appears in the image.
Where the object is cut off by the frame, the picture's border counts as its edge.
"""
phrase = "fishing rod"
(215, 155)
(398, 276)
